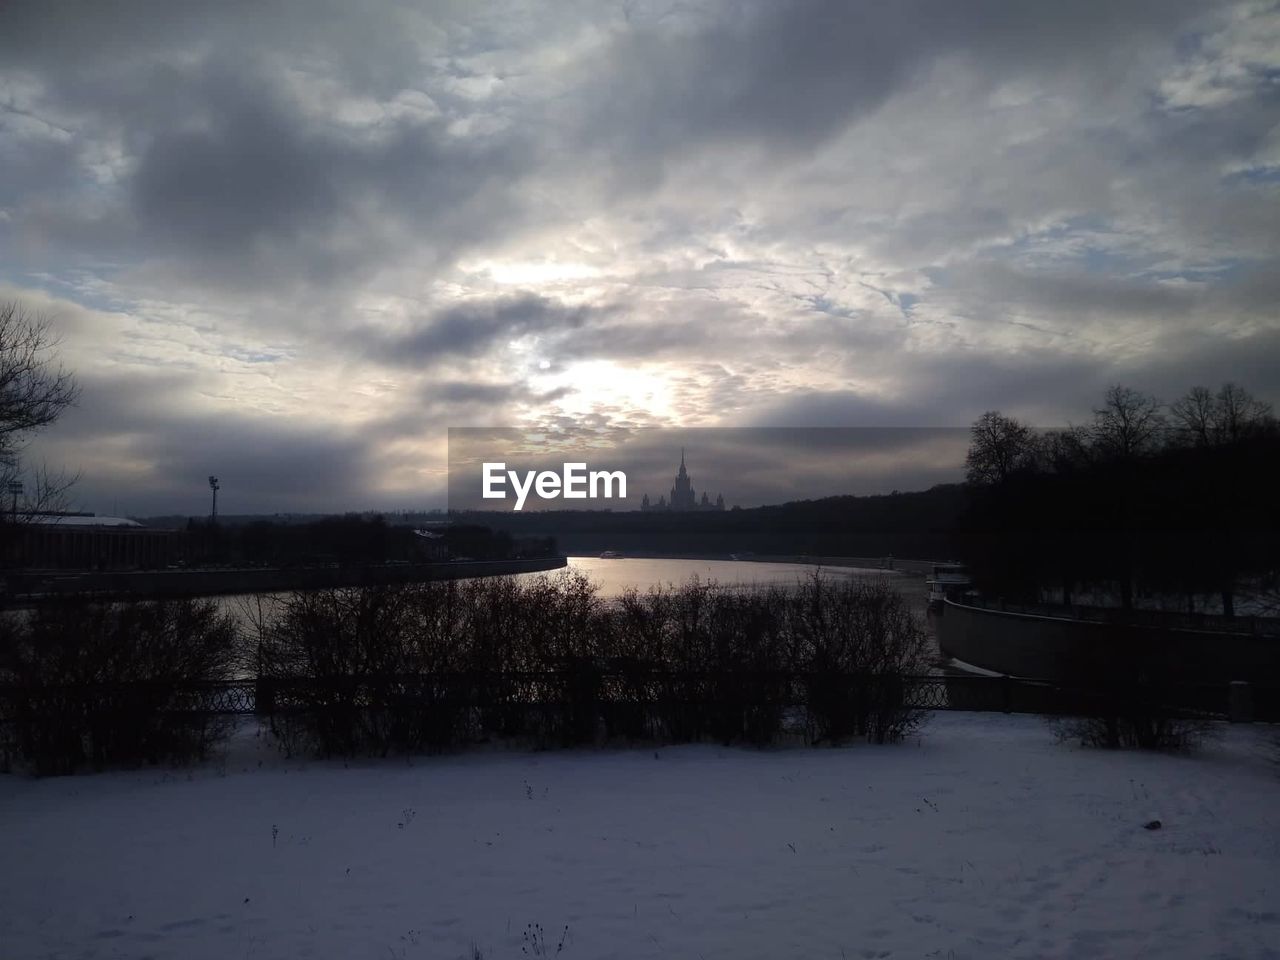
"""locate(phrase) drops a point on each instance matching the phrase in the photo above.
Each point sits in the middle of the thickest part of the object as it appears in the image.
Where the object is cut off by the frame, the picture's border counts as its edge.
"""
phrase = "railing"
(285, 695)
(60, 729)
(1166, 619)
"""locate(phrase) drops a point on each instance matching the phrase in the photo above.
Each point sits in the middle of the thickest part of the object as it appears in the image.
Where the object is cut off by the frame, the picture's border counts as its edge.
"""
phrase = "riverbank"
(900, 565)
(26, 587)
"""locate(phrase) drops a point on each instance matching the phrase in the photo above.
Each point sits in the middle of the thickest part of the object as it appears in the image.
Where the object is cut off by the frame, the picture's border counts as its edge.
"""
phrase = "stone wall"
(1059, 649)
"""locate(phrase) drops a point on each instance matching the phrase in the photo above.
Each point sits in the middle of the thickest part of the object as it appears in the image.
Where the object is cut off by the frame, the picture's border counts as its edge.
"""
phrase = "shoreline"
(25, 588)
(893, 564)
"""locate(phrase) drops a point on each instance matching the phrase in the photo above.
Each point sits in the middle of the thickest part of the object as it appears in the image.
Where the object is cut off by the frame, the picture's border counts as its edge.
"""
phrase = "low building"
(430, 545)
(63, 541)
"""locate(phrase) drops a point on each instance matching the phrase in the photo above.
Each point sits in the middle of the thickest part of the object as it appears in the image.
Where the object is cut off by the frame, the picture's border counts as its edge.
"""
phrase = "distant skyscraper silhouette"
(683, 497)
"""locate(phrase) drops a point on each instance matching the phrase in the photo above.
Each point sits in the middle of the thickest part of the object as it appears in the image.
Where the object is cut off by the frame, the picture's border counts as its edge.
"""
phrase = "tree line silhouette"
(1170, 502)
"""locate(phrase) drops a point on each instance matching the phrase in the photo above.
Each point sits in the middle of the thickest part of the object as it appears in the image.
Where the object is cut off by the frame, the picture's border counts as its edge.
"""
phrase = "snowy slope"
(983, 838)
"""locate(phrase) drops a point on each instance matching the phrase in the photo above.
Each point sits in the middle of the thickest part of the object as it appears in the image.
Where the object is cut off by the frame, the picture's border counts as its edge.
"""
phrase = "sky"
(291, 244)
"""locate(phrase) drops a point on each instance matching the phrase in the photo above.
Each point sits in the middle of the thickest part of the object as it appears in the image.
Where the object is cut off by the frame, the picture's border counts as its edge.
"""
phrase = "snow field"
(982, 837)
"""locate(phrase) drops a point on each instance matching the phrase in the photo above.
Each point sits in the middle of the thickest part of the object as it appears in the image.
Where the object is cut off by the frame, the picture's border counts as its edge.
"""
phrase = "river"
(615, 576)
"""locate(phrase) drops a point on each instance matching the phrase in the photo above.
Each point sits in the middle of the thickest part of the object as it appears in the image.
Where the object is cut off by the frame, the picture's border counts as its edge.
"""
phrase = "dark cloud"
(489, 394)
(246, 175)
(1052, 292)
(262, 463)
(473, 328)
(229, 170)
(252, 191)
(265, 463)
(1046, 388)
(793, 74)
(87, 40)
(1204, 359)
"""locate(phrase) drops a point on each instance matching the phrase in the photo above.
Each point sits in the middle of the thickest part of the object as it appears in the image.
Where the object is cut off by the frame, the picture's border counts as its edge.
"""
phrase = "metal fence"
(281, 696)
(1258, 626)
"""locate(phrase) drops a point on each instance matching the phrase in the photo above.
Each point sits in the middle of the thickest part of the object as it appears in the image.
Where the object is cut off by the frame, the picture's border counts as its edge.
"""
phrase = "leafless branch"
(34, 388)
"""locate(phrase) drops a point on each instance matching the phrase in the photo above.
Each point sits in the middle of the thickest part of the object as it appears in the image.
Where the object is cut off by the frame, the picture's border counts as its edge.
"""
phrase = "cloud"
(786, 77)
(140, 449)
(311, 236)
(476, 327)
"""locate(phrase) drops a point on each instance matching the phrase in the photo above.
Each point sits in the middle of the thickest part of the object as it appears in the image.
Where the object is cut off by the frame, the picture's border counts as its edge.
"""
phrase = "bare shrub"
(1135, 717)
(853, 642)
(699, 661)
(708, 661)
(542, 660)
(358, 670)
(1145, 733)
(98, 684)
(1128, 698)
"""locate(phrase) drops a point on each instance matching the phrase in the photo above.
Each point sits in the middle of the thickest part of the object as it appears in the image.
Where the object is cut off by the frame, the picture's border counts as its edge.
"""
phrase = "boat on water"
(611, 555)
(948, 580)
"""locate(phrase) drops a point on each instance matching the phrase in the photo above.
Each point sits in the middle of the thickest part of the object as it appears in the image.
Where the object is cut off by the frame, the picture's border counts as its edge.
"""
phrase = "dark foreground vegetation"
(544, 661)
(1174, 503)
(433, 666)
(86, 684)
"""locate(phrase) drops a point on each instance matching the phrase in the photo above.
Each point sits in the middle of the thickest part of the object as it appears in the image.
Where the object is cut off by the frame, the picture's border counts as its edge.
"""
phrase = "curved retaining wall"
(1054, 648)
(196, 583)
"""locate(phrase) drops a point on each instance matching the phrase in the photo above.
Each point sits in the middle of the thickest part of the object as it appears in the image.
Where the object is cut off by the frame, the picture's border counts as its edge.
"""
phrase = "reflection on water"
(614, 576)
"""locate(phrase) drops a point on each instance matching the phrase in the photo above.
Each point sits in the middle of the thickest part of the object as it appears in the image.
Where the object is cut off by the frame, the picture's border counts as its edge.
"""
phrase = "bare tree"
(1240, 414)
(24, 495)
(1232, 414)
(1000, 447)
(1064, 450)
(34, 391)
(1193, 416)
(1128, 424)
(34, 388)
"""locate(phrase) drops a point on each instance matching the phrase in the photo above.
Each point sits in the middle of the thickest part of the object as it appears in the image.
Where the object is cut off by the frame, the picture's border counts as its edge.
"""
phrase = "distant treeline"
(918, 524)
(354, 539)
(1177, 500)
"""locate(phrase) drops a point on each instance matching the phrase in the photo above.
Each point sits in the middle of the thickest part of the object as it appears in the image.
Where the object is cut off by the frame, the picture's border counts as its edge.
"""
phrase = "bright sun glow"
(602, 384)
(532, 272)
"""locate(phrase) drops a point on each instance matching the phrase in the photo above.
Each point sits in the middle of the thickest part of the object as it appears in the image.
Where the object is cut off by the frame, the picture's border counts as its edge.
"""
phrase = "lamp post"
(213, 485)
(15, 490)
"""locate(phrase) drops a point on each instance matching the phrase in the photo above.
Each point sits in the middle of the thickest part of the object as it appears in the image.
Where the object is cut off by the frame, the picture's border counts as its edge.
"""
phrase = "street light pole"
(213, 485)
(15, 488)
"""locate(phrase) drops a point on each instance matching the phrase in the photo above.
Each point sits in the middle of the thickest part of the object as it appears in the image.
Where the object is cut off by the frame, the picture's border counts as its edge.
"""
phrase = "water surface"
(614, 576)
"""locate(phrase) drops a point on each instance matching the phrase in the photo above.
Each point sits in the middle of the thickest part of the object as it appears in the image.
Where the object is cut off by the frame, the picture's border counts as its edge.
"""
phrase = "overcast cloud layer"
(291, 244)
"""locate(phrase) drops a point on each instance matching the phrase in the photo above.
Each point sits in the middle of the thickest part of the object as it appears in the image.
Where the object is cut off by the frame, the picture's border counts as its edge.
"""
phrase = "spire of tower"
(682, 457)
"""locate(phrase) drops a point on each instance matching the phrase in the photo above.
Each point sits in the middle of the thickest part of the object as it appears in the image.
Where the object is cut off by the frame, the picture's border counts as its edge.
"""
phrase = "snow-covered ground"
(981, 838)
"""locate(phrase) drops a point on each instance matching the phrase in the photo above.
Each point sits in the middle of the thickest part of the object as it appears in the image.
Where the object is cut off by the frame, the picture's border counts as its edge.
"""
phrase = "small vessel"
(611, 555)
(948, 580)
